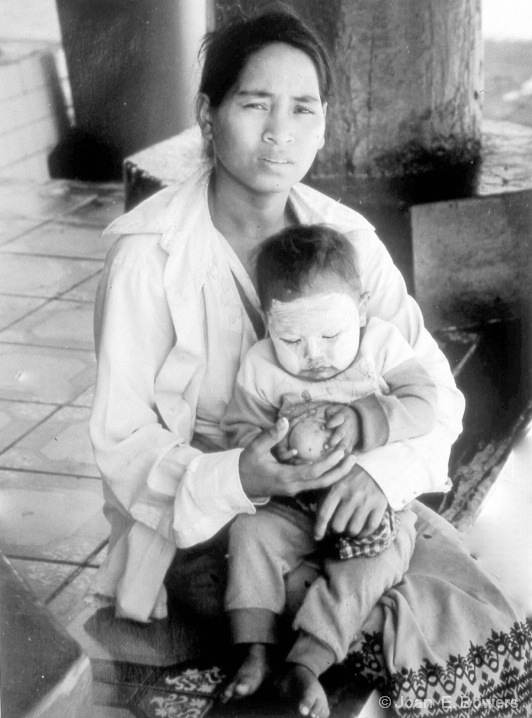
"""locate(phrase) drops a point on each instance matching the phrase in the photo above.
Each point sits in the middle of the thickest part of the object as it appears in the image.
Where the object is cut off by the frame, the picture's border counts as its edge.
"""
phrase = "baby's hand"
(345, 423)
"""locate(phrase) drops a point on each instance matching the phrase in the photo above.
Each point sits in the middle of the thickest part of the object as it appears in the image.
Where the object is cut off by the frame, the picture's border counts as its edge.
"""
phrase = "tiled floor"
(51, 523)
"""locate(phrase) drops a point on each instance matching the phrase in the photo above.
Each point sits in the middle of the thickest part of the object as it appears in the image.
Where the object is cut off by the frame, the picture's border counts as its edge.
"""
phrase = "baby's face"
(317, 334)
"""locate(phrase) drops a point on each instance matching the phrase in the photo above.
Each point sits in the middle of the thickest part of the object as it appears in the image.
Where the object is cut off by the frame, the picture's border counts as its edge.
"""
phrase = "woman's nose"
(278, 130)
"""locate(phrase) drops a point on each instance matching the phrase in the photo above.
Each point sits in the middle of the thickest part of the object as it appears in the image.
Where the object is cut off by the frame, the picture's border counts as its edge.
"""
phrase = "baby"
(341, 382)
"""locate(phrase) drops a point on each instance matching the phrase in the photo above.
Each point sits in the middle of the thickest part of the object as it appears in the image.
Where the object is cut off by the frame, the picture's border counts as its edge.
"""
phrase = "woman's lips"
(276, 160)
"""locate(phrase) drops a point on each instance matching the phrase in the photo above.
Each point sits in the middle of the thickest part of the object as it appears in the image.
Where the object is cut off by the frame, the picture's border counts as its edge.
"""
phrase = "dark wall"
(122, 58)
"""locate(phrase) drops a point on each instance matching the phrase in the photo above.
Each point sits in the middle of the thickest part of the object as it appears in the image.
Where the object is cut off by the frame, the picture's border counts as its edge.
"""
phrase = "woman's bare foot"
(299, 685)
(254, 667)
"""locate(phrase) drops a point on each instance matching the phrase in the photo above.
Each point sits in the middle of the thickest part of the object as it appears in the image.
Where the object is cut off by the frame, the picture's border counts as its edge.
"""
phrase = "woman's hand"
(262, 475)
(354, 505)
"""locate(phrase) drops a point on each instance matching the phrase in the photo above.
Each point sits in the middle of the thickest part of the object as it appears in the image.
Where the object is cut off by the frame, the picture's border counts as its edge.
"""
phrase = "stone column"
(133, 72)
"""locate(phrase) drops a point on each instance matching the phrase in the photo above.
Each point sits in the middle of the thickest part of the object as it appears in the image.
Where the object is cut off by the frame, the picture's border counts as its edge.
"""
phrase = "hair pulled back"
(227, 49)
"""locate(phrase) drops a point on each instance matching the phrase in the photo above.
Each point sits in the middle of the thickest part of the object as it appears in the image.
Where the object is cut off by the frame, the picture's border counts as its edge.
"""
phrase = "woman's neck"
(245, 219)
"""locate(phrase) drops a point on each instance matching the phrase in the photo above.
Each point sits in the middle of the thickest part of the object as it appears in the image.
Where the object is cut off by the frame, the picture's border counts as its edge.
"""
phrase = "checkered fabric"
(344, 547)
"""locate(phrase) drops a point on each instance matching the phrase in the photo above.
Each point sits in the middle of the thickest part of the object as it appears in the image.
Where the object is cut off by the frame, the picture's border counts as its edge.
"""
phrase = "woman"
(176, 311)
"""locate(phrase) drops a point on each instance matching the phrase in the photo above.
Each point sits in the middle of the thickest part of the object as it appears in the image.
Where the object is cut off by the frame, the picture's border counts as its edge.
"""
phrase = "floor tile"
(13, 227)
(96, 560)
(160, 643)
(60, 445)
(43, 577)
(17, 418)
(111, 712)
(56, 518)
(84, 399)
(133, 674)
(64, 240)
(43, 276)
(101, 211)
(46, 200)
(116, 696)
(14, 308)
(84, 292)
(58, 323)
(501, 537)
(69, 602)
(44, 374)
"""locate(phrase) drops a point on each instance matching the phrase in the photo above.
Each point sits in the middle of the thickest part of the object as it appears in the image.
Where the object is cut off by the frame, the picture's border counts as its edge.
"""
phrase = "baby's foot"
(253, 669)
(298, 684)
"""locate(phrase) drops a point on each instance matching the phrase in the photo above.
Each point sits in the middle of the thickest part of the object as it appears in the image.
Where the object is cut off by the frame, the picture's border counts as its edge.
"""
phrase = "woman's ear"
(324, 106)
(204, 116)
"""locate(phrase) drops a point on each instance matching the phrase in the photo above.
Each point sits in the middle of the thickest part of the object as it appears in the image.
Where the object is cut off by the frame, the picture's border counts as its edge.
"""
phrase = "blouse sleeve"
(408, 468)
(151, 475)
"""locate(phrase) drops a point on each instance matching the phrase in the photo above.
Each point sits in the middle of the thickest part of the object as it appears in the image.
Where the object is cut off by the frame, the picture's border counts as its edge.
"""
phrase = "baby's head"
(310, 291)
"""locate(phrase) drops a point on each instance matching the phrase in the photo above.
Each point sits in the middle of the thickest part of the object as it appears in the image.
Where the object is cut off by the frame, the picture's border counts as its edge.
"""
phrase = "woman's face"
(268, 129)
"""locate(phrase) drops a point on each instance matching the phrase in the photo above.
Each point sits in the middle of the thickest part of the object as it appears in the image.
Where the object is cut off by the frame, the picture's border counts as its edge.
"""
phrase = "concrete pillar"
(133, 71)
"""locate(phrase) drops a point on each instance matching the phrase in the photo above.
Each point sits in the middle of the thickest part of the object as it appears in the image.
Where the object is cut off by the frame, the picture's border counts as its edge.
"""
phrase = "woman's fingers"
(285, 454)
(325, 514)
(371, 523)
(292, 479)
(262, 475)
(327, 471)
(267, 439)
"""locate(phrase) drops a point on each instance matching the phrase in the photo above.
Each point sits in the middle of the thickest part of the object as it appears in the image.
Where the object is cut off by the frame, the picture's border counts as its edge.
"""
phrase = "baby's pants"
(265, 547)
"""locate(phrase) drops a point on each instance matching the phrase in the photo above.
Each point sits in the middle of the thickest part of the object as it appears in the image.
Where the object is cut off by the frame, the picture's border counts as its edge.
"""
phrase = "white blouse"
(171, 331)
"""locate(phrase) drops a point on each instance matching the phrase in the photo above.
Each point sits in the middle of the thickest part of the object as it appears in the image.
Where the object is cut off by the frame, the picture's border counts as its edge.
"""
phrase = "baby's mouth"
(319, 371)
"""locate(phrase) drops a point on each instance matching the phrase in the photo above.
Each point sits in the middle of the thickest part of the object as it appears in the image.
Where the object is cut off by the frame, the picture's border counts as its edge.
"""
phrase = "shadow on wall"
(84, 156)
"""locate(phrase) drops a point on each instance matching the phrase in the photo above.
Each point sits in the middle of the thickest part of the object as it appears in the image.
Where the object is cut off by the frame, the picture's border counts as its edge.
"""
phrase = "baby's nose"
(312, 349)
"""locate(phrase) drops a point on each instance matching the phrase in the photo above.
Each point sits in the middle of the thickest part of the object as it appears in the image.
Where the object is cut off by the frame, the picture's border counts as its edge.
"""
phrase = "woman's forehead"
(275, 65)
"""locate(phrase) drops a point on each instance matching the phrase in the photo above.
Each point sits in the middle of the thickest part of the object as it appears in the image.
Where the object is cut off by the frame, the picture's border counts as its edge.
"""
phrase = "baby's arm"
(409, 410)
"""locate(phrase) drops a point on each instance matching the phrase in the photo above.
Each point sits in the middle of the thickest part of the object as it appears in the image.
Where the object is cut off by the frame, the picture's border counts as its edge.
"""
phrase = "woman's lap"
(444, 641)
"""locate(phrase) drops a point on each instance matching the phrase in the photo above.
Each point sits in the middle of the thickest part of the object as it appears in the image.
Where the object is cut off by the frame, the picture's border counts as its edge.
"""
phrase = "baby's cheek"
(288, 358)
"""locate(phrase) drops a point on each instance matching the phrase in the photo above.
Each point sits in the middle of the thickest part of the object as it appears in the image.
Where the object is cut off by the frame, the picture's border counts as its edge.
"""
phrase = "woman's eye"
(333, 336)
(256, 106)
(291, 341)
(304, 111)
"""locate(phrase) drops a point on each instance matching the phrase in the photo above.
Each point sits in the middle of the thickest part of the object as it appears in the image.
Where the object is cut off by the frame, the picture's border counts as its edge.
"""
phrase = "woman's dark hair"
(288, 261)
(227, 49)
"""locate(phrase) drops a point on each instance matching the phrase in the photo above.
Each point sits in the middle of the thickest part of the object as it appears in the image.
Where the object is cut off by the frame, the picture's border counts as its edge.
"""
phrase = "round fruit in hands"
(308, 434)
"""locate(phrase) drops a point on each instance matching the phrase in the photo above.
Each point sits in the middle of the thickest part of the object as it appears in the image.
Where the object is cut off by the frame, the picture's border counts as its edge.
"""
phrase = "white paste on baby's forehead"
(309, 310)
